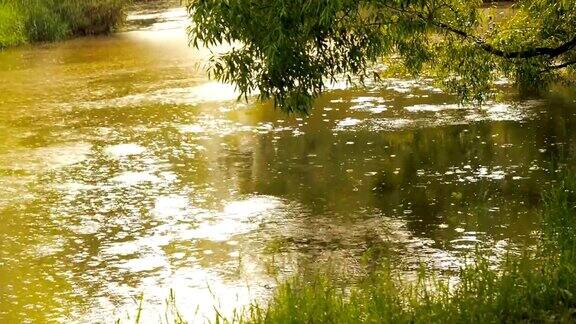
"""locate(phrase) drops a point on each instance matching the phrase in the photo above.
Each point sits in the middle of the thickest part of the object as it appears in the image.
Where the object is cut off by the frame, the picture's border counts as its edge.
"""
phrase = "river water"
(126, 172)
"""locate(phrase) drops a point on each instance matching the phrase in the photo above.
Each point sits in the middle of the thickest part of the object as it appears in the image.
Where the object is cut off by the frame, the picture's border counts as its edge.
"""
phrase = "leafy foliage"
(290, 50)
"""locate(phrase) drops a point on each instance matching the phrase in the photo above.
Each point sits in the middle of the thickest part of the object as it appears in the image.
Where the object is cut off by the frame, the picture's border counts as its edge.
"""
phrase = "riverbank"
(533, 285)
(52, 20)
(536, 284)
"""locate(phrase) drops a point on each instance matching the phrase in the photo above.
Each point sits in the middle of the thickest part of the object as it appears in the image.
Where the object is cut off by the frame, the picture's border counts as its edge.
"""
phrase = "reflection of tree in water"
(477, 173)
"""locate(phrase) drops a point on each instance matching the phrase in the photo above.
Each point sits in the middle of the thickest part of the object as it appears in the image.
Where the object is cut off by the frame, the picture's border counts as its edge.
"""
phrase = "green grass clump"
(51, 20)
(90, 17)
(536, 285)
(44, 23)
(11, 25)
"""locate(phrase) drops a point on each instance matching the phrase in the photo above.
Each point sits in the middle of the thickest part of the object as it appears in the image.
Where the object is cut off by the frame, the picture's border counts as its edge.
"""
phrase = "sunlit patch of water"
(122, 150)
(429, 115)
(192, 96)
(131, 178)
(153, 20)
(170, 206)
(499, 112)
(432, 108)
(44, 159)
(238, 217)
(407, 86)
(375, 105)
(215, 250)
(347, 122)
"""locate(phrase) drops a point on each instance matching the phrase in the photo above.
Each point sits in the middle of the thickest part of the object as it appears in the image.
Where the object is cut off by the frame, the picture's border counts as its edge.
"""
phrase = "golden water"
(125, 171)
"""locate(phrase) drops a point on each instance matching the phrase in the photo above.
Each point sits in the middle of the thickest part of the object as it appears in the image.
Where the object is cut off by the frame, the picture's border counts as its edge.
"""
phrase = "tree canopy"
(290, 50)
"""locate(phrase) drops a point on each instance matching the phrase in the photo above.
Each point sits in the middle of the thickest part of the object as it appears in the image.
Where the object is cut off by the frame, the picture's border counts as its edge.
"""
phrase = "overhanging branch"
(551, 52)
(561, 66)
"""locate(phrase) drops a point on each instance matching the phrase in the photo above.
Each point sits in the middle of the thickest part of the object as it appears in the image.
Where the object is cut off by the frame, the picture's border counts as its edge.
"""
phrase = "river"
(126, 172)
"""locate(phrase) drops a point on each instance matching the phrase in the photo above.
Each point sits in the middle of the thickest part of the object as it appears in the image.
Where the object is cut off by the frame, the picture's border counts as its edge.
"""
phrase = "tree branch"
(561, 66)
(551, 52)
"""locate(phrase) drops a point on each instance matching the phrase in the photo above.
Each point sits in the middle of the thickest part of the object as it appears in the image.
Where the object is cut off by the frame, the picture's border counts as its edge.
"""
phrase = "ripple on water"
(171, 206)
(179, 221)
(193, 128)
(434, 115)
(432, 108)
(500, 112)
(87, 227)
(237, 217)
(46, 158)
(24, 165)
(191, 96)
(147, 262)
(407, 86)
(15, 189)
(347, 122)
(132, 178)
(210, 125)
(121, 150)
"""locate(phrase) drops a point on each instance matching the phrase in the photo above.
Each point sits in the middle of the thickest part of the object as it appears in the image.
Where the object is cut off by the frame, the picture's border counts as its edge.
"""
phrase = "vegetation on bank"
(535, 285)
(23, 21)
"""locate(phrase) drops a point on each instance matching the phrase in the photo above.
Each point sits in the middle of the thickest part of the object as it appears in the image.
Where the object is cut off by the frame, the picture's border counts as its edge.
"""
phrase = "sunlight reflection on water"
(156, 178)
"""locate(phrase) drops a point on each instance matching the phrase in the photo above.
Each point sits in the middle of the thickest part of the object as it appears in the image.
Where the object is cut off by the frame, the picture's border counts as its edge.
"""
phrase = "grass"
(12, 31)
(535, 285)
(24, 21)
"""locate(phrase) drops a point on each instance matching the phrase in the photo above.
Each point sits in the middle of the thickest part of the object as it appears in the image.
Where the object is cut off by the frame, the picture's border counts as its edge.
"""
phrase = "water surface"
(124, 170)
